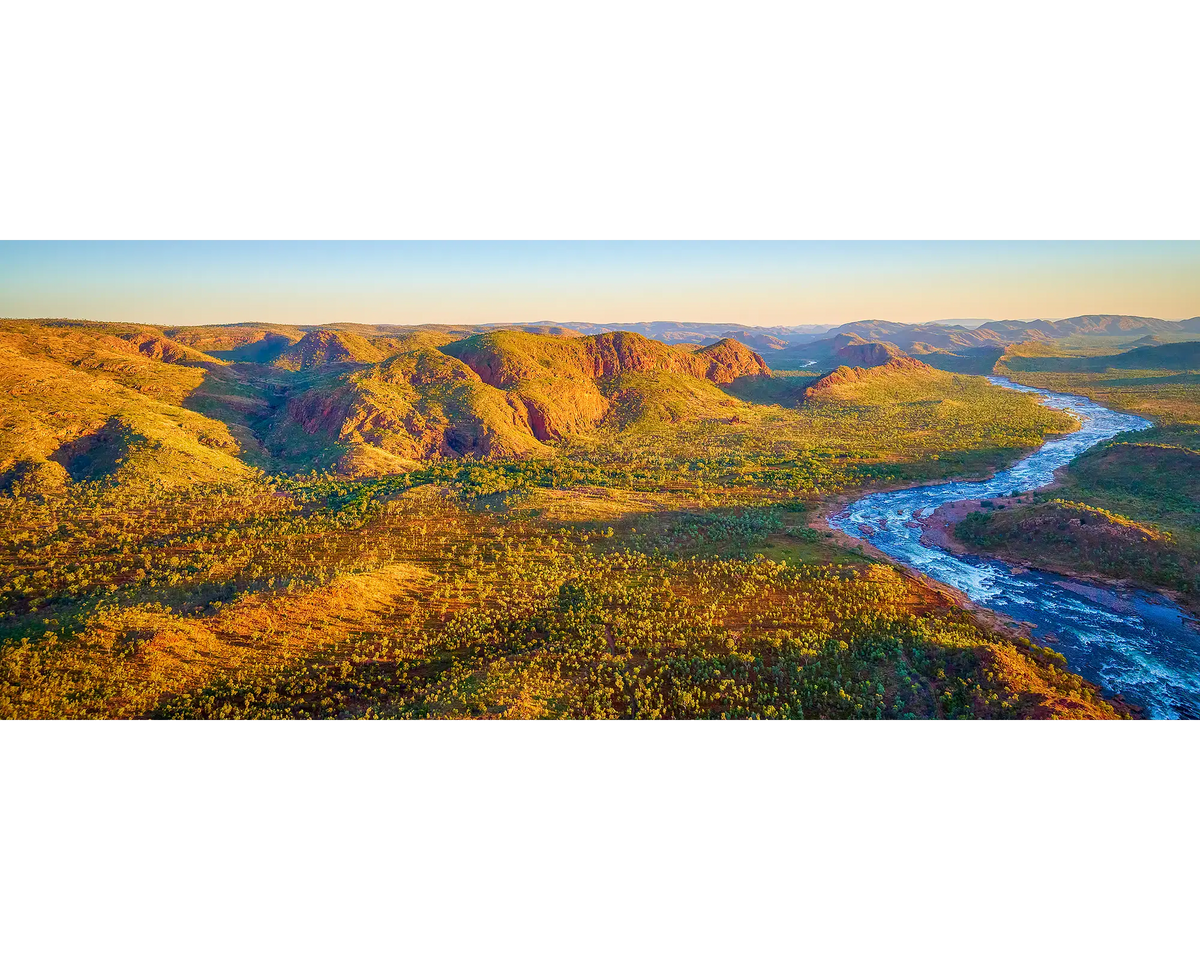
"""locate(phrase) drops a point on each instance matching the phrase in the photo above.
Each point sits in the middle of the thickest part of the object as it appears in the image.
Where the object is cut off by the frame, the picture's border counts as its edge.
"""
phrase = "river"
(1129, 642)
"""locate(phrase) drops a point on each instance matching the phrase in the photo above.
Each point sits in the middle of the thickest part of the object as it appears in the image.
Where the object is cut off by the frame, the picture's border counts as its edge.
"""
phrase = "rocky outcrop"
(322, 348)
(867, 354)
(897, 366)
(417, 406)
(500, 394)
(508, 359)
(554, 411)
(728, 360)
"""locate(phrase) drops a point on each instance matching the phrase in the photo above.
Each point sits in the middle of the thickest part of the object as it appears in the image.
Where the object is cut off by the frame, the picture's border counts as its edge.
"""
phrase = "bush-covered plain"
(291, 527)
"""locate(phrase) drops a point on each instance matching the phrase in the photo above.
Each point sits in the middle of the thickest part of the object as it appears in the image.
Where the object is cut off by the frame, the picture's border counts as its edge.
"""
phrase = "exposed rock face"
(507, 359)
(728, 360)
(418, 406)
(562, 385)
(341, 413)
(554, 411)
(499, 394)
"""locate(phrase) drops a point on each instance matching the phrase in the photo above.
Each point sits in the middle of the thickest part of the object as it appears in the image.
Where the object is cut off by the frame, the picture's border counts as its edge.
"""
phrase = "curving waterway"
(1129, 642)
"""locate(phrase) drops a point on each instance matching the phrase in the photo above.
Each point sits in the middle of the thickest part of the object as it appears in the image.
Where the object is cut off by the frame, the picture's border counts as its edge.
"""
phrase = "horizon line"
(947, 321)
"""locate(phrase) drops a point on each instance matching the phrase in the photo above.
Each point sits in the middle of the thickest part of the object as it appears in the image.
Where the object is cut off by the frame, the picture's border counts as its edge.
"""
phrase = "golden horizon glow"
(758, 284)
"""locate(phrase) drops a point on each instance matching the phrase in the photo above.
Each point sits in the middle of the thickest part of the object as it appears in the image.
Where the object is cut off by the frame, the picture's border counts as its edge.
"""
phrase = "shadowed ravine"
(1132, 643)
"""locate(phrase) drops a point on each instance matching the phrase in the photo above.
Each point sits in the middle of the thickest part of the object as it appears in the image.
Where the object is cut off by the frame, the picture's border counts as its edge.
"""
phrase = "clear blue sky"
(765, 283)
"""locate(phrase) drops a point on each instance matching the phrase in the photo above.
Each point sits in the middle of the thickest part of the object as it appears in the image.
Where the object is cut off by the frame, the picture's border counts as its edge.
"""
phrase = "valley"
(354, 521)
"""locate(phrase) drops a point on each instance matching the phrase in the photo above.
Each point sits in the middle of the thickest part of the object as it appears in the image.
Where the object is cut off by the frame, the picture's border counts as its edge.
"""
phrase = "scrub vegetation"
(1129, 510)
(268, 522)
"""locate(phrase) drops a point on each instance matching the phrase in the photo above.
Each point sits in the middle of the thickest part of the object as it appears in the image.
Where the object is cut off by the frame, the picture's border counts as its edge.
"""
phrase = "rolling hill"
(102, 402)
(109, 402)
(506, 358)
(855, 378)
(88, 411)
(321, 348)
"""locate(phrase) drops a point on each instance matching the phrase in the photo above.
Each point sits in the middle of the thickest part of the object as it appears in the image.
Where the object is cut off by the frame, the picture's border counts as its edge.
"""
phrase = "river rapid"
(1129, 642)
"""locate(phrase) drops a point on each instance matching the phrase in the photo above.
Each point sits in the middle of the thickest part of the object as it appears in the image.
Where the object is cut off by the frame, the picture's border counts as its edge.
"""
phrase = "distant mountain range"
(807, 345)
(1143, 356)
(670, 331)
(962, 344)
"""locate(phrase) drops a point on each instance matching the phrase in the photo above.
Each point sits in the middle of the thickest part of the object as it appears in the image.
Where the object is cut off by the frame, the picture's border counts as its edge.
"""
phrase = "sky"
(756, 283)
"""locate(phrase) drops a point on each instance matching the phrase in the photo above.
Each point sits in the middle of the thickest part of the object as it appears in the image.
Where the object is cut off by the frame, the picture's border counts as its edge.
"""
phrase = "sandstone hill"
(906, 368)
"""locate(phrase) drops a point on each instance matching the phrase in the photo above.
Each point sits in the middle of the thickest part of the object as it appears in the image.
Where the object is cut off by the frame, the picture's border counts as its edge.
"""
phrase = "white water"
(1129, 642)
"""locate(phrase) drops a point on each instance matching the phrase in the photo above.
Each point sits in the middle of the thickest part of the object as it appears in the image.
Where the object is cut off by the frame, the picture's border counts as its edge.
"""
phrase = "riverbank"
(1018, 633)
(938, 531)
(1138, 647)
(831, 505)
